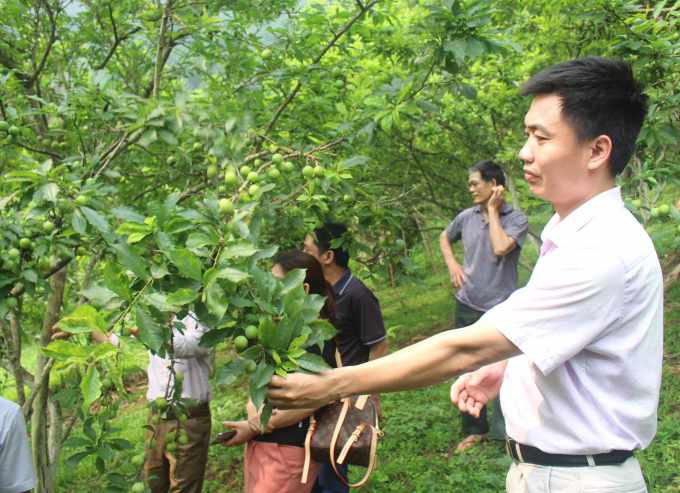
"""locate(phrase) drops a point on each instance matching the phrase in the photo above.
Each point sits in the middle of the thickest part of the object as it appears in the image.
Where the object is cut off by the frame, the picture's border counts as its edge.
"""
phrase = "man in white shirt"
(17, 474)
(184, 474)
(576, 354)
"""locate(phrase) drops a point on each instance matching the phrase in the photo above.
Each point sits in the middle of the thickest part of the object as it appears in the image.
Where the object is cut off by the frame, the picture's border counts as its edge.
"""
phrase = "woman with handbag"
(275, 461)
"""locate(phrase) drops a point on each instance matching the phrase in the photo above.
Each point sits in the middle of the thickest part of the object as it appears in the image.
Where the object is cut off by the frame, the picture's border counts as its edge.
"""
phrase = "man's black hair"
(489, 171)
(599, 96)
(325, 235)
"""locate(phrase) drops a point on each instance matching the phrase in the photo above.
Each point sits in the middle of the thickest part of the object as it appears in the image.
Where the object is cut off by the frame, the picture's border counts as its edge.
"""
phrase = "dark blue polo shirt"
(360, 320)
(490, 280)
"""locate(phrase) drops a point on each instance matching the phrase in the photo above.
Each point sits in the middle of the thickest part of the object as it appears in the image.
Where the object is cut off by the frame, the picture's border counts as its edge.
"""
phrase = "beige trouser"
(621, 478)
(185, 473)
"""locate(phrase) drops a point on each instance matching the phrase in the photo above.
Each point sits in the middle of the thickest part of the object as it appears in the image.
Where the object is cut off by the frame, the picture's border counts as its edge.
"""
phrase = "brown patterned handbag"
(338, 430)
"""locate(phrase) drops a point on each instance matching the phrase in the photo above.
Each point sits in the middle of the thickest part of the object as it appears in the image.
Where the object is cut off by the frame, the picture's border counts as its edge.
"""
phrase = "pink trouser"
(269, 467)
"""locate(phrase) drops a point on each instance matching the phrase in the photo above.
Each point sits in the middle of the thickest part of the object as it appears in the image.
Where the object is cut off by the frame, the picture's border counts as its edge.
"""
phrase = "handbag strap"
(308, 448)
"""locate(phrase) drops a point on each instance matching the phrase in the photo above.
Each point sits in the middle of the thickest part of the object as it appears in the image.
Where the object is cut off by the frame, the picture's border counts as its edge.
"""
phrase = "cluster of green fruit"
(55, 146)
(336, 73)
(241, 343)
(662, 212)
(11, 130)
(108, 407)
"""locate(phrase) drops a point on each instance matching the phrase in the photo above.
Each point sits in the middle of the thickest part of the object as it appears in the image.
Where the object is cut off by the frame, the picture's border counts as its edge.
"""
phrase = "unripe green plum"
(654, 213)
(138, 488)
(106, 383)
(274, 174)
(179, 377)
(230, 178)
(171, 159)
(226, 206)
(170, 437)
(289, 167)
(308, 172)
(266, 54)
(336, 71)
(197, 146)
(317, 183)
(12, 302)
(63, 147)
(253, 177)
(252, 190)
(339, 84)
(182, 432)
(161, 403)
(33, 245)
(222, 189)
(45, 265)
(183, 440)
(155, 419)
(106, 426)
(151, 443)
(664, 210)
(244, 197)
(319, 172)
(81, 200)
(250, 367)
(211, 171)
(54, 146)
(323, 75)
(245, 170)
(25, 243)
(277, 158)
(14, 253)
(48, 227)
(4, 126)
(240, 343)
(127, 332)
(637, 203)
(348, 198)
(251, 332)
(13, 131)
(172, 447)
(137, 460)
(182, 418)
(9, 265)
(80, 251)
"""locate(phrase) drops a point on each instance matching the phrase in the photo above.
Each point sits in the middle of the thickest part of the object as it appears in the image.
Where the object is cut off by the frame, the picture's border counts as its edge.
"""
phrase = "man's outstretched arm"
(437, 359)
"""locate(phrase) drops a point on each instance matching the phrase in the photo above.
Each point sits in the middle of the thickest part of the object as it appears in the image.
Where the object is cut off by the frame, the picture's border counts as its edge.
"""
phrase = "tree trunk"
(47, 446)
(510, 181)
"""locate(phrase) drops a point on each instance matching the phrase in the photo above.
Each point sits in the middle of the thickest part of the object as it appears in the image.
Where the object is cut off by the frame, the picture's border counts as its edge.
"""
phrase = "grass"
(418, 452)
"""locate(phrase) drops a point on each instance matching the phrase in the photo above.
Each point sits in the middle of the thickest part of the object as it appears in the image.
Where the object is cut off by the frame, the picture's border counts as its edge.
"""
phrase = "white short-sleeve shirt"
(590, 325)
(16, 462)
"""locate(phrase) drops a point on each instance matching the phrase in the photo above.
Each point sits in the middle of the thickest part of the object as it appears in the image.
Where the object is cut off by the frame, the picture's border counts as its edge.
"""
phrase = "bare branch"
(44, 379)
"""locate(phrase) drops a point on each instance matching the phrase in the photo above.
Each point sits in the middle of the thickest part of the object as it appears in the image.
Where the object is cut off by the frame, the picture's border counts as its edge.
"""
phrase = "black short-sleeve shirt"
(360, 320)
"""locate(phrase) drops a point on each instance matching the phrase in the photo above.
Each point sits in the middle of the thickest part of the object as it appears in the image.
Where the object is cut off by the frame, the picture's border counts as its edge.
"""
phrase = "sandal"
(470, 441)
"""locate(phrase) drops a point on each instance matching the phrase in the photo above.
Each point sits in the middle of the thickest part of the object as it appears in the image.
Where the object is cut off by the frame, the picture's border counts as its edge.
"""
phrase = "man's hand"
(254, 419)
(474, 390)
(457, 275)
(378, 406)
(300, 391)
(497, 199)
(243, 433)
(58, 333)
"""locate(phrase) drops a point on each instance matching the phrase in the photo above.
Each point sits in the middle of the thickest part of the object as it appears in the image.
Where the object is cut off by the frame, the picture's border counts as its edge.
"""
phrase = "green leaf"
(293, 279)
(105, 454)
(294, 299)
(116, 280)
(182, 297)
(266, 253)
(48, 191)
(96, 219)
(117, 479)
(105, 350)
(265, 416)
(98, 292)
(90, 385)
(213, 337)
(266, 375)
(64, 349)
(238, 248)
(231, 371)
(353, 161)
(230, 273)
(75, 459)
(266, 332)
(257, 394)
(283, 332)
(186, 262)
(216, 301)
(149, 331)
(76, 442)
(127, 214)
(79, 325)
(130, 258)
(312, 362)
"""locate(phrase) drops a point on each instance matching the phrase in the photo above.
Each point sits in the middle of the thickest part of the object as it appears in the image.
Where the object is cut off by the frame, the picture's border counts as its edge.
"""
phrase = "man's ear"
(600, 151)
(306, 286)
(330, 257)
(493, 182)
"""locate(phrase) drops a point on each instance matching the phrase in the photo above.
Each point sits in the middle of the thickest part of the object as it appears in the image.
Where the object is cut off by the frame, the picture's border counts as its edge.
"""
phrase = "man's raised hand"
(474, 390)
(497, 199)
(300, 391)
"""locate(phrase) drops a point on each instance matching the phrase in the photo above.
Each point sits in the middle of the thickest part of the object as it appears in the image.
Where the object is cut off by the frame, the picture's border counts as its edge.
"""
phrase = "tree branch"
(44, 379)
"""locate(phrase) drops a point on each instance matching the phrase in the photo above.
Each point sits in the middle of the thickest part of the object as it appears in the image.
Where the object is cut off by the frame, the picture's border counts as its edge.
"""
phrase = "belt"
(532, 455)
(199, 411)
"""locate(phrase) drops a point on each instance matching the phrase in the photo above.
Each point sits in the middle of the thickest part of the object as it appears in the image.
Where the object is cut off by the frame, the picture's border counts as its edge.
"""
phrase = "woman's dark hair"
(600, 96)
(314, 277)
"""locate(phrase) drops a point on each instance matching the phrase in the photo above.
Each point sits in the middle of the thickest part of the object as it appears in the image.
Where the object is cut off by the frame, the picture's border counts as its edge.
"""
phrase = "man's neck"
(333, 273)
(564, 209)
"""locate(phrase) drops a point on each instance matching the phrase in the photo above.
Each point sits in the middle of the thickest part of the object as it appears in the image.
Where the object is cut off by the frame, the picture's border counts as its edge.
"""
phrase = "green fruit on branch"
(250, 367)
(14, 253)
(317, 183)
(664, 210)
(257, 163)
(54, 146)
(336, 71)
(197, 146)
(654, 213)
(138, 488)
(226, 206)
(161, 403)
(308, 172)
(230, 178)
(244, 197)
(80, 251)
(48, 227)
(252, 190)
(222, 189)
(150, 443)
(183, 440)
(266, 54)
(211, 171)
(4, 126)
(126, 332)
(348, 198)
(63, 147)
(339, 84)
(253, 177)
(247, 143)
(137, 460)
(319, 172)
(171, 159)
(172, 447)
(62, 255)
(106, 383)
(289, 167)
(637, 203)
(240, 343)
(182, 432)
(155, 419)
(274, 174)
(245, 170)
(12, 302)
(106, 426)
(323, 75)
(182, 418)
(9, 265)
(13, 131)
(179, 377)
(33, 245)
(81, 200)
(45, 265)
(251, 332)
(277, 158)
(101, 411)
(25, 243)
(170, 437)
(46, 142)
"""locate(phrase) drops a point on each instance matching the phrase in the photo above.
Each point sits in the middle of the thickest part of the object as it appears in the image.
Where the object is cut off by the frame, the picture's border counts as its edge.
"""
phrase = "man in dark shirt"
(492, 233)
(362, 335)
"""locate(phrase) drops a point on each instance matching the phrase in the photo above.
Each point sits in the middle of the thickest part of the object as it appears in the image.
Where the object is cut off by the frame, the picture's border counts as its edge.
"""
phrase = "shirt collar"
(563, 231)
(342, 282)
(506, 208)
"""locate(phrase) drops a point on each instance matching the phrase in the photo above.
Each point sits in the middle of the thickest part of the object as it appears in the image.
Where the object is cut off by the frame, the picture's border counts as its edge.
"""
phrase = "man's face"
(556, 164)
(312, 249)
(479, 189)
